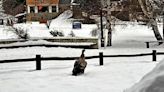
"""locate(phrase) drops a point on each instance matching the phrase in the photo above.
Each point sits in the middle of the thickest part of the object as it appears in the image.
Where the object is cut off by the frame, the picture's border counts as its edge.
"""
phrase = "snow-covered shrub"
(21, 33)
(72, 34)
(56, 33)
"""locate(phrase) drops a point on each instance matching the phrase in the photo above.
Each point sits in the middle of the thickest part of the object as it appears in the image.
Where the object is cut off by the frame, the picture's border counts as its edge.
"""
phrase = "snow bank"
(43, 42)
(35, 29)
(132, 35)
(152, 82)
(116, 75)
(62, 17)
(5, 33)
(64, 23)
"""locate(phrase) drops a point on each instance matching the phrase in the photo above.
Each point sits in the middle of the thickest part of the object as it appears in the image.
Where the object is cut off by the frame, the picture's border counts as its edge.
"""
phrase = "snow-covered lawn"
(116, 75)
(6, 34)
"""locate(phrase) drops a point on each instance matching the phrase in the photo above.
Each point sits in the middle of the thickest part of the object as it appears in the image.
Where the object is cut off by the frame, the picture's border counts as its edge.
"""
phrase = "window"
(42, 8)
(76, 25)
(32, 9)
(40, 1)
(53, 8)
(1, 21)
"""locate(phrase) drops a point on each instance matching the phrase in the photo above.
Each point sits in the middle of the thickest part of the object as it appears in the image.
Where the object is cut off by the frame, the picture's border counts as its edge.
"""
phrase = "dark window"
(76, 25)
(53, 8)
(42, 8)
(1, 21)
(32, 9)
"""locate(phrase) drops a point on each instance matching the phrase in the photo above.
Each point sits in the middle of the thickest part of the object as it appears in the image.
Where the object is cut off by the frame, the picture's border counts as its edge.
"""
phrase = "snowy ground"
(116, 75)
(6, 34)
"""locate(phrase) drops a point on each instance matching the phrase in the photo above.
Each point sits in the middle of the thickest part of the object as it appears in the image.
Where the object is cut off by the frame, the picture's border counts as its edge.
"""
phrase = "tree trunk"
(106, 6)
(109, 43)
(153, 22)
(163, 23)
(155, 29)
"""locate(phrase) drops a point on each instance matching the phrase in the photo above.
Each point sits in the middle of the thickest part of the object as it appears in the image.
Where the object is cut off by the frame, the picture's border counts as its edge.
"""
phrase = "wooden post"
(106, 5)
(38, 62)
(101, 58)
(147, 44)
(154, 54)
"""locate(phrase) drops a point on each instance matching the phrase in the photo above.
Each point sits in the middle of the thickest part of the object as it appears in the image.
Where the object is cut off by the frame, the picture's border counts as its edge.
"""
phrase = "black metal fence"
(38, 58)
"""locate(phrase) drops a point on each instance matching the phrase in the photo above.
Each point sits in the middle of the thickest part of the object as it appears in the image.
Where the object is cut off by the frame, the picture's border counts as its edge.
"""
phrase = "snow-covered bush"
(20, 32)
(56, 33)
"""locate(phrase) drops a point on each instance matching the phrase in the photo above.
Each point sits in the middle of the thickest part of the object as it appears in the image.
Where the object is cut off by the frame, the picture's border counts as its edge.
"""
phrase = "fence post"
(101, 58)
(147, 44)
(154, 54)
(38, 62)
